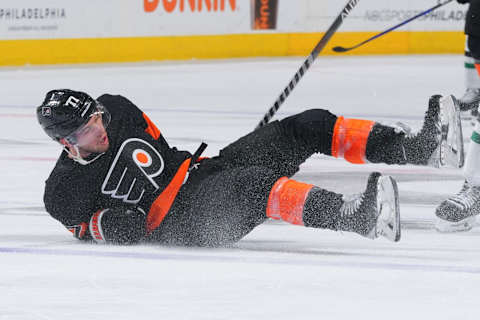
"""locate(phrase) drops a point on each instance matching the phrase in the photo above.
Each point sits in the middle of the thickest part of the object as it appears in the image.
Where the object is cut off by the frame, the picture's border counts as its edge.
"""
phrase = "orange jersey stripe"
(164, 201)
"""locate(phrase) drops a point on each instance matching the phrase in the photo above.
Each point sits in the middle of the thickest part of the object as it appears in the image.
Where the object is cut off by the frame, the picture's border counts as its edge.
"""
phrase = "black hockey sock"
(355, 213)
(392, 146)
(420, 147)
(322, 209)
(385, 145)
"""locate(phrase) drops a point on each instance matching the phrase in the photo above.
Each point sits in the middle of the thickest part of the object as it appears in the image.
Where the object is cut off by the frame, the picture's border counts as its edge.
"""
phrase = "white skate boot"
(458, 213)
(451, 151)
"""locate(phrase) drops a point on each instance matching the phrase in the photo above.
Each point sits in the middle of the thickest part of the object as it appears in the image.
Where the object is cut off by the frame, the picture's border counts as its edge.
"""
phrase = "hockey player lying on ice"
(118, 181)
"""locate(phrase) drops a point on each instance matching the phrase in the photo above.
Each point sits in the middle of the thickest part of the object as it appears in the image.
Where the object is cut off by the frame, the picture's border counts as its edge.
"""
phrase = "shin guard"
(350, 138)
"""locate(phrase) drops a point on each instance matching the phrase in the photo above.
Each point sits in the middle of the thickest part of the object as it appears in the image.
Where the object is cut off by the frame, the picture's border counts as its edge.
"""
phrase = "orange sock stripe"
(477, 66)
(287, 199)
(350, 139)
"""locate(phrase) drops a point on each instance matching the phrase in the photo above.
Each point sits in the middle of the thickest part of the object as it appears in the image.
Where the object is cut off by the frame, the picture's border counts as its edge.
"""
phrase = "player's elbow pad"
(118, 225)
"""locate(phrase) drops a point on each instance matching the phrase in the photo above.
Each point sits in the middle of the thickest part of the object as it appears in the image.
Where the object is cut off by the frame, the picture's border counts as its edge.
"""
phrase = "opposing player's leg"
(471, 98)
(460, 211)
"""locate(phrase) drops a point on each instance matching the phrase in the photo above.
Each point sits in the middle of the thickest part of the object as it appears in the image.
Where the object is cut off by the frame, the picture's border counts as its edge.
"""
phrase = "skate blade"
(451, 146)
(445, 226)
(388, 221)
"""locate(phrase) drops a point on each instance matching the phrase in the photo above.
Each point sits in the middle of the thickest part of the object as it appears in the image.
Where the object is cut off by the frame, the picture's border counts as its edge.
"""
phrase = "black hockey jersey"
(139, 169)
(472, 24)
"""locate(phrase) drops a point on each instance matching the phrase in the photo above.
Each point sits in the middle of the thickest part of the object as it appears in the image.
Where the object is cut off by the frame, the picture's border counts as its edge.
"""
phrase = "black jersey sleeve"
(71, 203)
(77, 212)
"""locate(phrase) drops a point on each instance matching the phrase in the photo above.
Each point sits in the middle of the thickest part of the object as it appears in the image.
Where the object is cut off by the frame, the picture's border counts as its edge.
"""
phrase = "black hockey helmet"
(64, 111)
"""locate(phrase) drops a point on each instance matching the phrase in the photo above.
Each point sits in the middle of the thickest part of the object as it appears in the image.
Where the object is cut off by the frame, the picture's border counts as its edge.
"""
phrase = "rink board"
(217, 47)
(58, 32)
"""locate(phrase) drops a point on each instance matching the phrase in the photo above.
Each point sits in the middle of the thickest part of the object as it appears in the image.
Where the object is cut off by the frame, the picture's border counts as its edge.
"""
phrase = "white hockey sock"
(471, 171)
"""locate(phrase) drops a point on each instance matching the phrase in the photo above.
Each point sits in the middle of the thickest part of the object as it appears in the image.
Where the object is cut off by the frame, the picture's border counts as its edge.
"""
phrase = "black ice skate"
(470, 99)
(375, 212)
(440, 141)
(458, 213)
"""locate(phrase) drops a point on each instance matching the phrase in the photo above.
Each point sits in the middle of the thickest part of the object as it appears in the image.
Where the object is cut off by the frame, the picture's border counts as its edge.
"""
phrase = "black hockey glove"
(118, 225)
(463, 1)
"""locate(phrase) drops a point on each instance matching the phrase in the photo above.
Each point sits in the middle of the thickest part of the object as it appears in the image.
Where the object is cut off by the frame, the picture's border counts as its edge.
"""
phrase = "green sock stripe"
(475, 137)
(469, 65)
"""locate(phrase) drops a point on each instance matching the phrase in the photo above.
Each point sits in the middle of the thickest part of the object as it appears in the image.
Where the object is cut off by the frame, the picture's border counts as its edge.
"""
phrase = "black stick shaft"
(308, 62)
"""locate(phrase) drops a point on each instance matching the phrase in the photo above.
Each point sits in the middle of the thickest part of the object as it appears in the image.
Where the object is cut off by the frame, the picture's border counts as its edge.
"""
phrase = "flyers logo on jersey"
(132, 171)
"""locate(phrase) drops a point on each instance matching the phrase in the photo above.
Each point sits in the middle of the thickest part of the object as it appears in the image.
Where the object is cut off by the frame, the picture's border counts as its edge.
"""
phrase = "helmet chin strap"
(78, 158)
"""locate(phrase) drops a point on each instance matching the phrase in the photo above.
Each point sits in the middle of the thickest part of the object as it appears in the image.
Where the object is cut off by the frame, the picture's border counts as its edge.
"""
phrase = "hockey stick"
(343, 49)
(306, 65)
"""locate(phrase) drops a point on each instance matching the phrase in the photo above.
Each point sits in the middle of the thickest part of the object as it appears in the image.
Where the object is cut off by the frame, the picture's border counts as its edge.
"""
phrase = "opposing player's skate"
(470, 99)
(451, 146)
(376, 211)
(458, 213)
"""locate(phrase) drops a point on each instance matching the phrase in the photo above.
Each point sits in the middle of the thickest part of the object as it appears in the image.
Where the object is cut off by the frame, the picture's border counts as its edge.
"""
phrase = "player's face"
(92, 137)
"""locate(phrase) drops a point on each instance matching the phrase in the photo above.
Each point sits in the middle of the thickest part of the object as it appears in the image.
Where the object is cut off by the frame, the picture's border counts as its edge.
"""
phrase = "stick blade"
(340, 49)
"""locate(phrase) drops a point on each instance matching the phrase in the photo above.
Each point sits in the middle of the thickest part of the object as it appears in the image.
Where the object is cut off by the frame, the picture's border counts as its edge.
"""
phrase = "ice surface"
(278, 271)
